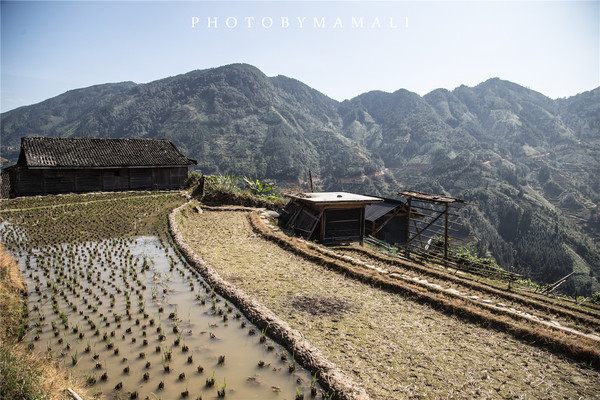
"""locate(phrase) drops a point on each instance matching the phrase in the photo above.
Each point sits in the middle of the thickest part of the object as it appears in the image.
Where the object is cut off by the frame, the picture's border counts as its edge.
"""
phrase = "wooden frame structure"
(328, 217)
(431, 219)
(431, 230)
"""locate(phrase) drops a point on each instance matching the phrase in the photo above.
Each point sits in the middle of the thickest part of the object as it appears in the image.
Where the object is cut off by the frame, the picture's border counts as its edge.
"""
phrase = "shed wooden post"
(323, 223)
(408, 217)
(446, 236)
(362, 226)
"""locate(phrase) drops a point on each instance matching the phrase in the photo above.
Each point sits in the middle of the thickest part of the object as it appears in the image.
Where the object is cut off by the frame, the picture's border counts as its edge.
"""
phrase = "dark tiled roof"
(99, 152)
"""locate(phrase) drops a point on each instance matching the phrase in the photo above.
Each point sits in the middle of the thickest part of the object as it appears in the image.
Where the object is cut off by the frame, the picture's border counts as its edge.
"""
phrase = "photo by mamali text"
(249, 22)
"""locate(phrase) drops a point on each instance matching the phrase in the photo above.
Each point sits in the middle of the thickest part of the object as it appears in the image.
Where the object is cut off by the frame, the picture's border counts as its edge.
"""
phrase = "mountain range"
(530, 163)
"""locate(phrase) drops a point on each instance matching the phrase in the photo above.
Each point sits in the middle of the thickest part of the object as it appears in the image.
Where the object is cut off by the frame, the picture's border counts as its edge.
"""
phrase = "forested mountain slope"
(531, 163)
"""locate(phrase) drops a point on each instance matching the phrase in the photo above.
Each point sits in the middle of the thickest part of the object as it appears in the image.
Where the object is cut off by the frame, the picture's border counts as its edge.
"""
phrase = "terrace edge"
(329, 375)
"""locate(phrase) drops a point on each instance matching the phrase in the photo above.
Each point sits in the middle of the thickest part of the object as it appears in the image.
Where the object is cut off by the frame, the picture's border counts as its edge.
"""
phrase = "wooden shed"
(387, 221)
(65, 165)
(328, 217)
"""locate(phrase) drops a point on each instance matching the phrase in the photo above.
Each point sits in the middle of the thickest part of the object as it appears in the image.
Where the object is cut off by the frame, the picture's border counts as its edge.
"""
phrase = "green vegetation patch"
(230, 189)
(57, 219)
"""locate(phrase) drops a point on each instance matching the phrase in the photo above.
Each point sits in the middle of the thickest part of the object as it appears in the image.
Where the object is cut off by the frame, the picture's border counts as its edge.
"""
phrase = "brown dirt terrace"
(396, 347)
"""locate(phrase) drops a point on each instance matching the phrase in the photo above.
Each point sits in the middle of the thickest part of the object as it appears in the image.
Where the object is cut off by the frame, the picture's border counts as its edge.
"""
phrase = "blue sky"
(49, 47)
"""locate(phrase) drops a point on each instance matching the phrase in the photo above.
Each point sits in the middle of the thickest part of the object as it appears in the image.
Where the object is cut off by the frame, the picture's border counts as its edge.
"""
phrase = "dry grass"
(10, 272)
(397, 346)
(12, 286)
(578, 347)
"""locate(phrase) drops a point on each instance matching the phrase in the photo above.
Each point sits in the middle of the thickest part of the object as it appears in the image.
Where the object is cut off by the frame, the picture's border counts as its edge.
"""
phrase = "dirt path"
(396, 347)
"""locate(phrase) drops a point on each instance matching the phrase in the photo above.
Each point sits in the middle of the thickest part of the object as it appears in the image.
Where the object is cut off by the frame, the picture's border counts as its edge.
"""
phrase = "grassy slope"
(397, 347)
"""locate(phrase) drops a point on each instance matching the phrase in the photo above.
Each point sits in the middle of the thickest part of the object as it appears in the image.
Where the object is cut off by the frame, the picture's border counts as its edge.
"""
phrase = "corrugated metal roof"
(377, 210)
(431, 197)
(334, 197)
(99, 152)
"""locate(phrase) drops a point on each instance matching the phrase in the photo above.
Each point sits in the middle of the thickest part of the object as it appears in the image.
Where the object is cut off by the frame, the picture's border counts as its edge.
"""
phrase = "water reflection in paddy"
(135, 320)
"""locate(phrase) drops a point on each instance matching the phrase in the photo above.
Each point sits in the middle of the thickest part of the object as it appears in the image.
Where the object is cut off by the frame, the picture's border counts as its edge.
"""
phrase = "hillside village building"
(74, 165)
(328, 217)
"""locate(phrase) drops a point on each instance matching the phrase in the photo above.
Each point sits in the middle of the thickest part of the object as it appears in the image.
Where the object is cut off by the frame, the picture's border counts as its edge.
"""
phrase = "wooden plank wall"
(88, 180)
(342, 225)
(117, 179)
(140, 178)
(30, 182)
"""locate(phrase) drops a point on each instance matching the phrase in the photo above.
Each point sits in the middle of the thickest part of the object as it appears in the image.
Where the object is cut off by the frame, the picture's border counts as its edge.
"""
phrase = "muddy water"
(136, 321)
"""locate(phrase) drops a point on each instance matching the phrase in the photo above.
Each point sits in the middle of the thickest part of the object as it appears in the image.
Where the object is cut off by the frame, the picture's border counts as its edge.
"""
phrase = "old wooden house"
(328, 217)
(64, 165)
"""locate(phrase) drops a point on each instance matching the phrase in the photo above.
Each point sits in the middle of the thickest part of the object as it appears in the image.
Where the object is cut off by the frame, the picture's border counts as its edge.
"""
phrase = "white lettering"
(288, 22)
(231, 22)
(357, 23)
(267, 22)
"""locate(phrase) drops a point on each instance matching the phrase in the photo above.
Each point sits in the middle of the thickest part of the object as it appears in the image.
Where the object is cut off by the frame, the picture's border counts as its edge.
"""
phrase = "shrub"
(249, 192)
(192, 179)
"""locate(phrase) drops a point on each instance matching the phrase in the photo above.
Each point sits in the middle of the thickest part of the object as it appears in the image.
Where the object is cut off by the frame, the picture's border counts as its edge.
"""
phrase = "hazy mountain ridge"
(532, 163)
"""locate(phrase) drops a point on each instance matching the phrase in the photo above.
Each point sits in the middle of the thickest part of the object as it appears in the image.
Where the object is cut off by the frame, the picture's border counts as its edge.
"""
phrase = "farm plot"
(584, 318)
(397, 347)
(133, 318)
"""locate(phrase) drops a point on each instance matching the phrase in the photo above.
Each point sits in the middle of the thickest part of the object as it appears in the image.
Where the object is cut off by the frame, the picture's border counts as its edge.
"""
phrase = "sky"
(340, 48)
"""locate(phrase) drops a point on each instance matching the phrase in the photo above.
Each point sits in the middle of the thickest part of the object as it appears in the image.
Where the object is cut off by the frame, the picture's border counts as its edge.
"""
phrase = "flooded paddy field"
(136, 321)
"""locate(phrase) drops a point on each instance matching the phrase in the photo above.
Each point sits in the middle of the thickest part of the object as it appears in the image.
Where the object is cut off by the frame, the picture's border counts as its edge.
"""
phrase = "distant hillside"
(230, 119)
(530, 162)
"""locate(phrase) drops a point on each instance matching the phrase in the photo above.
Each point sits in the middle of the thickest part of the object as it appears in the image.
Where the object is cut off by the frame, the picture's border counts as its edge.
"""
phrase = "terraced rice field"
(124, 311)
(393, 343)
